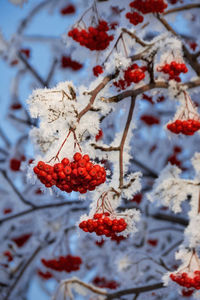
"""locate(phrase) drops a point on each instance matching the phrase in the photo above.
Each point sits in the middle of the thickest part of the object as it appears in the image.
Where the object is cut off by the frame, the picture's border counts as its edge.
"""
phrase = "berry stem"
(57, 154)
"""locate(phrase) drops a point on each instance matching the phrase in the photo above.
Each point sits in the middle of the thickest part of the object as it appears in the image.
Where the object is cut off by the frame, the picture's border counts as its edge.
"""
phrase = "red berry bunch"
(185, 280)
(134, 18)
(67, 10)
(15, 164)
(149, 6)
(150, 120)
(26, 52)
(148, 98)
(193, 45)
(94, 38)
(97, 70)
(174, 69)
(67, 263)
(152, 242)
(118, 238)
(67, 62)
(137, 198)
(79, 175)
(102, 224)
(99, 135)
(173, 158)
(187, 292)
(44, 275)
(8, 255)
(173, 1)
(22, 239)
(16, 106)
(187, 127)
(133, 74)
(7, 211)
(102, 282)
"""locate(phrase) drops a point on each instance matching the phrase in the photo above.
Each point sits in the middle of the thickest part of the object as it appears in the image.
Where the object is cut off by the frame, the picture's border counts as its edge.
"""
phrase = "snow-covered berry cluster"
(67, 10)
(44, 275)
(67, 62)
(150, 120)
(103, 224)
(102, 282)
(149, 6)
(78, 175)
(133, 74)
(134, 18)
(187, 127)
(97, 70)
(174, 69)
(94, 38)
(187, 280)
(66, 263)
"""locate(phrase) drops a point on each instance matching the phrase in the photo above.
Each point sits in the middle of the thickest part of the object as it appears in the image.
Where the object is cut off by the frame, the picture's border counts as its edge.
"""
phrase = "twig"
(94, 93)
(147, 87)
(134, 36)
(181, 8)
(172, 248)
(41, 207)
(31, 69)
(3, 172)
(122, 143)
(168, 218)
(4, 138)
(137, 290)
(51, 71)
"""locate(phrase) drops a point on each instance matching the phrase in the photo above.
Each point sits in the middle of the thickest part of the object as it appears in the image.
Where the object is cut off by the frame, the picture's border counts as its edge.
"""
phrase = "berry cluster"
(149, 6)
(16, 106)
(187, 127)
(173, 69)
(7, 211)
(15, 163)
(187, 293)
(185, 280)
(67, 263)
(102, 224)
(118, 238)
(150, 120)
(44, 275)
(8, 255)
(99, 135)
(79, 175)
(134, 18)
(102, 282)
(173, 158)
(152, 242)
(133, 74)
(67, 10)
(97, 70)
(137, 198)
(67, 62)
(22, 239)
(193, 45)
(95, 38)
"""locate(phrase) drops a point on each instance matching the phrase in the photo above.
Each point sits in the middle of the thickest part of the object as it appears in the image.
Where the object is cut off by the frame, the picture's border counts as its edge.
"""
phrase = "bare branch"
(3, 172)
(181, 8)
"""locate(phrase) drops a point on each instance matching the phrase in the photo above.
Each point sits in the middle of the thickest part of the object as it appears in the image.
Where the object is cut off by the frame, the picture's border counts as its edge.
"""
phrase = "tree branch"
(181, 8)
(137, 290)
(3, 172)
(122, 143)
(147, 87)
(41, 207)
